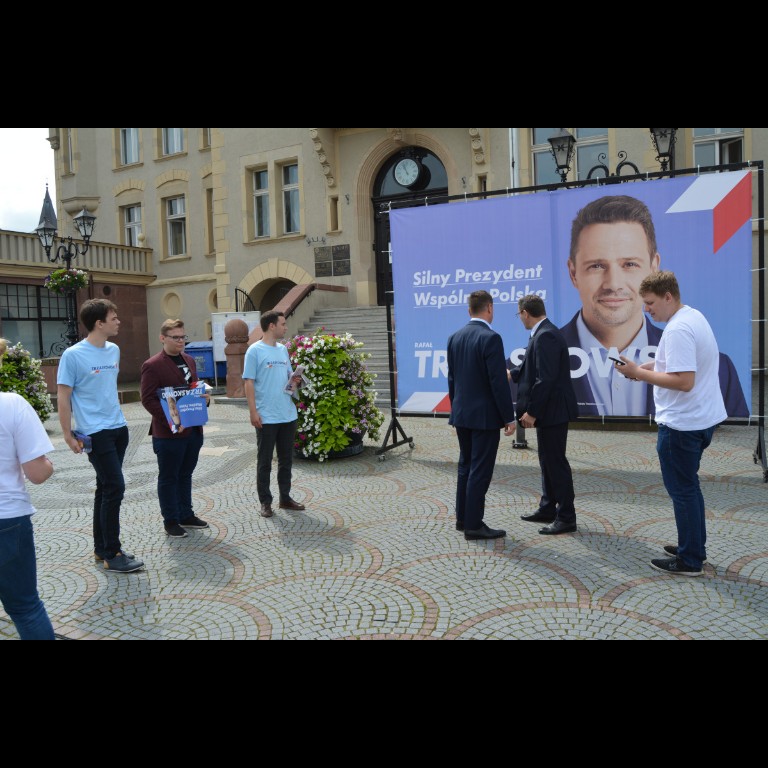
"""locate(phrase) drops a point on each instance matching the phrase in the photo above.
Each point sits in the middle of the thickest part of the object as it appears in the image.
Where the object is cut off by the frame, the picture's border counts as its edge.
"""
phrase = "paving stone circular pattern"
(376, 555)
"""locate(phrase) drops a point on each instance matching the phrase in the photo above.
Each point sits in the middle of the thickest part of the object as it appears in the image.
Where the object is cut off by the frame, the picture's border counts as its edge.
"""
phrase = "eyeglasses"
(178, 338)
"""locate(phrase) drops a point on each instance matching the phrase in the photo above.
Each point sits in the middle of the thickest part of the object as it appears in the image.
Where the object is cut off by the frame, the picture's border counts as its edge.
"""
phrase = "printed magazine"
(184, 406)
(296, 381)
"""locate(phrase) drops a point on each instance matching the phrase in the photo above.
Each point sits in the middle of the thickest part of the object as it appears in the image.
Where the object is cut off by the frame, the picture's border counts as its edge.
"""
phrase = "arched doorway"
(406, 178)
(275, 294)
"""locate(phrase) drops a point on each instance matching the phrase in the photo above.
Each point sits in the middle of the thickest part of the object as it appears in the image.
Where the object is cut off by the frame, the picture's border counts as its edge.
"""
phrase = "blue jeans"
(18, 580)
(109, 447)
(680, 457)
(269, 437)
(176, 461)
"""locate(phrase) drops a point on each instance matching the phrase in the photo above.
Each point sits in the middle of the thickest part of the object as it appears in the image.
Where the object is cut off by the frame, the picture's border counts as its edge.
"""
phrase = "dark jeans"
(109, 447)
(477, 459)
(680, 457)
(558, 496)
(18, 580)
(176, 461)
(269, 437)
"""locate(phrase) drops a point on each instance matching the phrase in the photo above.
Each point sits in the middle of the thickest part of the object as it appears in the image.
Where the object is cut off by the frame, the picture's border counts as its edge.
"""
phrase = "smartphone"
(616, 360)
(84, 439)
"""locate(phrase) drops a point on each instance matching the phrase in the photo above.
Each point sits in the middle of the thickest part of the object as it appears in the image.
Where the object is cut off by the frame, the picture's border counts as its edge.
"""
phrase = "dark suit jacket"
(544, 388)
(160, 371)
(477, 379)
(730, 386)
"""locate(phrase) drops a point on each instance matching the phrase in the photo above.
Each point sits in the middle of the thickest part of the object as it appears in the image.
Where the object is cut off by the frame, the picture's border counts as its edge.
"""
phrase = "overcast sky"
(26, 165)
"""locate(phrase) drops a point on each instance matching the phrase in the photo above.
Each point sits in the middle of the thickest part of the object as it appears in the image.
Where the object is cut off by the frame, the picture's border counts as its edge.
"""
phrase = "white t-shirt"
(22, 439)
(91, 372)
(688, 344)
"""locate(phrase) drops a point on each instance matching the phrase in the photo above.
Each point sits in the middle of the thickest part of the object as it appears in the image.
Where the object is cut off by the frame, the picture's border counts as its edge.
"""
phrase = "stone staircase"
(368, 325)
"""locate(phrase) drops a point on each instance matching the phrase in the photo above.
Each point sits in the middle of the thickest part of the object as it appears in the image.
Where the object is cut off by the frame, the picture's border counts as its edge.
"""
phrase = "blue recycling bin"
(202, 353)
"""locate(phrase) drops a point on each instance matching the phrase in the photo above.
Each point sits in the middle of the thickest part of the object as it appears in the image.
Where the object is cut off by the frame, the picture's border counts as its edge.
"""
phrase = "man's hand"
(628, 370)
(510, 429)
(527, 421)
(74, 444)
(256, 419)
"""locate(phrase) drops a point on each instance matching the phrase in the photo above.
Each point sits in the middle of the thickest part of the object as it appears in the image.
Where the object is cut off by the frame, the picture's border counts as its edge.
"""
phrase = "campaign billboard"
(522, 244)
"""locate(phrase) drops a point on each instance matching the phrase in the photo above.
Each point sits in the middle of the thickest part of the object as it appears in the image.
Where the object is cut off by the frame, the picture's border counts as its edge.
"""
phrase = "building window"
(34, 316)
(210, 240)
(261, 203)
(69, 151)
(176, 222)
(291, 216)
(205, 138)
(590, 143)
(129, 146)
(131, 225)
(173, 141)
(717, 146)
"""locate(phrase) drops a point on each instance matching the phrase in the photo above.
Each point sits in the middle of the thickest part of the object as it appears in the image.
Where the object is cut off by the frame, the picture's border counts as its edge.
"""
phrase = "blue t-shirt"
(270, 369)
(92, 374)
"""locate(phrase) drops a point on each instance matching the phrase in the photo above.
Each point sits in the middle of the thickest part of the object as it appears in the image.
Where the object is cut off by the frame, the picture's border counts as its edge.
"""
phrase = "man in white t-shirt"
(23, 445)
(689, 405)
(87, 388)
(273, 413)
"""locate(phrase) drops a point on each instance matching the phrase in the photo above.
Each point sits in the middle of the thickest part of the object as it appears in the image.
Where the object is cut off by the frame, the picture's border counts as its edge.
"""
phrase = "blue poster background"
(516, 245)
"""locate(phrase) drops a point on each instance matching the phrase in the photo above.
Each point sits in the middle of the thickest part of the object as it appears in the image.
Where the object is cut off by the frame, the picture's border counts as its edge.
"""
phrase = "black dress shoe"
(291, 504)
(558, 527)
(484, 532)
(539, 517)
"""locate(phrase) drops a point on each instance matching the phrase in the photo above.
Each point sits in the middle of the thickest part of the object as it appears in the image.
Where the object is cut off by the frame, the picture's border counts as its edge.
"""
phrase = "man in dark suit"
(545, 400)
(177, 453)
(481, 405)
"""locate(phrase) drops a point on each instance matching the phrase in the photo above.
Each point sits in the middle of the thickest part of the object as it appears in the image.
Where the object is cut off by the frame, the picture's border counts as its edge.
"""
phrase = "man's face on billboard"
(611, 262)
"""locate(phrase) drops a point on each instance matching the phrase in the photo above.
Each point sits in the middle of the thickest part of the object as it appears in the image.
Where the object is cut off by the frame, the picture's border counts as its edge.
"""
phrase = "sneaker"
(672, 551)
(175, 531)
(121, 564)
(193, 522)
(674, 566)
(100, 558)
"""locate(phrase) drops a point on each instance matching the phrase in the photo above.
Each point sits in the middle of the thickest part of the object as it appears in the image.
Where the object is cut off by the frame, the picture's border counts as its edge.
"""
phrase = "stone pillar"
(236, 336)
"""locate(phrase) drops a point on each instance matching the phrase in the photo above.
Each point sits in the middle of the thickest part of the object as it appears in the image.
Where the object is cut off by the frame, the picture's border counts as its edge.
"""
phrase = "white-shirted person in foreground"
(689, 405)
(23, 445)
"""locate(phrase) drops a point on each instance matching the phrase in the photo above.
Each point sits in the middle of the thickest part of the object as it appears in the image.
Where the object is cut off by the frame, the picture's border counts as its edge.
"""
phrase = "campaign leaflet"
(184, 406)
(296, 381)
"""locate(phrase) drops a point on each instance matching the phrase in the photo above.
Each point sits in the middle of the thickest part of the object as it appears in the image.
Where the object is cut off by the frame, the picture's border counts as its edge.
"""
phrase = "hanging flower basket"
(337, 408)
(62, 281)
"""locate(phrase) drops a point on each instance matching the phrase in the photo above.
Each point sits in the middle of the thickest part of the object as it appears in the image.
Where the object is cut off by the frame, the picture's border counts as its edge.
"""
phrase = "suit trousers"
(477, 458)
(556, 476)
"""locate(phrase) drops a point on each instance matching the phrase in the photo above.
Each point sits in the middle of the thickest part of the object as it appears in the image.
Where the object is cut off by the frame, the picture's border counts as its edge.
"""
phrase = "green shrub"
(21, 373)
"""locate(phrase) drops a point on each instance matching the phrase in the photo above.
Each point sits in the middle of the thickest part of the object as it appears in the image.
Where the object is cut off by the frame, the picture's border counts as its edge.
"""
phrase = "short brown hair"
(614, 209)
(660, 284)
(94, 310)
(170, 325)
(270, 318)
(533, 305)
(479, 302)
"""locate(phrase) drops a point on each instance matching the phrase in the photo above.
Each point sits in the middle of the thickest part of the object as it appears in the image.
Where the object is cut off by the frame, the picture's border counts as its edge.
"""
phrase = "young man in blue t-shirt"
(87, 388)
(266, 371)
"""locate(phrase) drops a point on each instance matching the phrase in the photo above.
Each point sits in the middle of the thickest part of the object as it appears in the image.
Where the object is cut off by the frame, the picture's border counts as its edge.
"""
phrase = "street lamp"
(69, 250)
(563, 145)
(664, 143)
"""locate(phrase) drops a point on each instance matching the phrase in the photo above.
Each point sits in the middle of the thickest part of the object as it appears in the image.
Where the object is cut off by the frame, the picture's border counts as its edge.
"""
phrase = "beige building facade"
(235, 217)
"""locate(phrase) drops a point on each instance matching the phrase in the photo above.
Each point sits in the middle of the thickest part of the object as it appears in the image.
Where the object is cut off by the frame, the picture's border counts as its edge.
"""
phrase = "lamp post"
(563, 145)
(69, 250)
(664, 144)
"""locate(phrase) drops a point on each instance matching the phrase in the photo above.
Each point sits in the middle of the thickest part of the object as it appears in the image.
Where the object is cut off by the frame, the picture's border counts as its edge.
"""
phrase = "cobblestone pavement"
(376, 555)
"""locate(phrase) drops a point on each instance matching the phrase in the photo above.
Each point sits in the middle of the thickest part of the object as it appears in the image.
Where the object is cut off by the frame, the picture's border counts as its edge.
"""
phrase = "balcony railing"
(22, 250)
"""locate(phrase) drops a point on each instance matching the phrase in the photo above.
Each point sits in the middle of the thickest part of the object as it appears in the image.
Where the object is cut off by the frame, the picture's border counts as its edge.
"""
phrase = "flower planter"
(355, 448)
